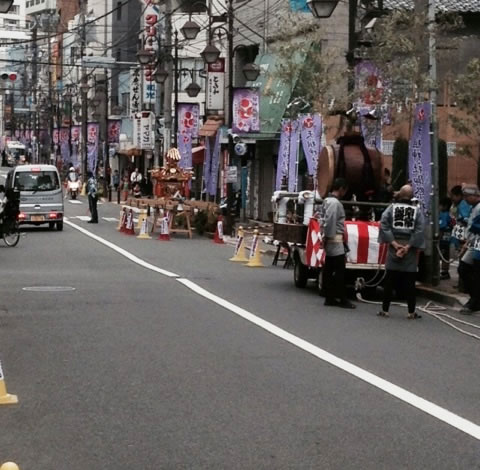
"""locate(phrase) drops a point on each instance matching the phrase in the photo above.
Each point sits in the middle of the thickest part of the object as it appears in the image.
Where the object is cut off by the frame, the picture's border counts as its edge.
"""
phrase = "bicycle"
(9, 226)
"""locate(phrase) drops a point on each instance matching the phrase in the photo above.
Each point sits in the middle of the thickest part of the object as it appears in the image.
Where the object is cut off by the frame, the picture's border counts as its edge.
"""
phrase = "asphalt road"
(138, 369)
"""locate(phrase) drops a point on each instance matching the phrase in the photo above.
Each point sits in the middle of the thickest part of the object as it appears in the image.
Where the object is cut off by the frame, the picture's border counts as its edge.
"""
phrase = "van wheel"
(300, 274)
(51, 225)
(59, 226)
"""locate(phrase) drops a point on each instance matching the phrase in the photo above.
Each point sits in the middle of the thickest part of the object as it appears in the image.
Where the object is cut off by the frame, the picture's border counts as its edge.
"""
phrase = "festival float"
(298, 215)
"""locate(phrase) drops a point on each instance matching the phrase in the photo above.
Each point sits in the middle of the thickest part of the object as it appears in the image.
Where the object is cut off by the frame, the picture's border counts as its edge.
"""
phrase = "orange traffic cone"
(129, 230)
(254, 260)
(218, 237)
(239, 253)
(164, 229)
(5, 398)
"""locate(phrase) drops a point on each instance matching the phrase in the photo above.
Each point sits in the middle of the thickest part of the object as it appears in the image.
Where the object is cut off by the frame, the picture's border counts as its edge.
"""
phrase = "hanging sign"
(151, 17)
(246, 110)
(216, 85)
(143, 130)
(114, 126)
(92, 145)
(420, 155)
(188, 118)
(135, 91)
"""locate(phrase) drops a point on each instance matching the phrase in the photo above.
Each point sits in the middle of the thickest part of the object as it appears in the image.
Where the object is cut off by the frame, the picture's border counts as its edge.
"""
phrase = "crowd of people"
(402, 228)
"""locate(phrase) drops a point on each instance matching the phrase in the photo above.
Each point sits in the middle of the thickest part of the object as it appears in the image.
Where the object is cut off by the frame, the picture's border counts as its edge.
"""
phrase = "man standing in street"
(469, 268)
(402, 229)
(92, 198)
(333, 240)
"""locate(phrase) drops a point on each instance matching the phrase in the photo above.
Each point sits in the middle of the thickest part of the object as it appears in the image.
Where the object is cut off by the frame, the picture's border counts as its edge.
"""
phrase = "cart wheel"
(300, 274)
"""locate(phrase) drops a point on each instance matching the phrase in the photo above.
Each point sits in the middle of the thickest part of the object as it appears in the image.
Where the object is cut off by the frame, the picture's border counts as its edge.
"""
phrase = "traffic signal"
(8, 75)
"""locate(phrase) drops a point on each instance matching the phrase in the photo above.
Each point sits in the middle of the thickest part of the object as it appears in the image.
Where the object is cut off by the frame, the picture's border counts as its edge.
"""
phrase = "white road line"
(442, 414)
(84, 218)
(121, 251)
(75, 201)
(110, 219)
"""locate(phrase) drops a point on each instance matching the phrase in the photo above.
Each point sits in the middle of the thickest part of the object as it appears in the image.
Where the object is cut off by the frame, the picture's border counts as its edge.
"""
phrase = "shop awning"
(211, 126)
(274, 93)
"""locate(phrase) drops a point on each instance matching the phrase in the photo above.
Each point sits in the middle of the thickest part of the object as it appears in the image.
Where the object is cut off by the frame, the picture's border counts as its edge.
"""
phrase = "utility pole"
(168, 88)
(84, 88)
(432, 62)
(50, 90)
(34, 127)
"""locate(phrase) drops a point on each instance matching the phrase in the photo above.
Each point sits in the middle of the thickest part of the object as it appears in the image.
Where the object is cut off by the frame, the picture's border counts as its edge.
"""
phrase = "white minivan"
(41, 195)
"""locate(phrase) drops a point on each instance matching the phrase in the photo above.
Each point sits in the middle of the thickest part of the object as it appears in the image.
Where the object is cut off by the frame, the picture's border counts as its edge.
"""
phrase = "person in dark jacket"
(92, 197)
(402, 228)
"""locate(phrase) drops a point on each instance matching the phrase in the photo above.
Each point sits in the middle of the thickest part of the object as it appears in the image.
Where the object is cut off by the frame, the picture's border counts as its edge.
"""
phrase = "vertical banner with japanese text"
(151, 18)
(92, 145)
(188, 118)
(283, 154)
(419, 155)
(216, 85)
(114, 126)
(75, 138)
(215, 166)
(371, 128)
(246, 110)
(135, 91)
(185, 149)
(65, 144)
(311, 134)
(207, 164)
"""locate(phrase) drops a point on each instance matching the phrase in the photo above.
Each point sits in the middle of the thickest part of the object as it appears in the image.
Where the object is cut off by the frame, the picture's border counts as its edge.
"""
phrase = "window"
(196, 7)
(14, 10)
(126, 103)
(387, 147)
(36, 181)
(119, 11)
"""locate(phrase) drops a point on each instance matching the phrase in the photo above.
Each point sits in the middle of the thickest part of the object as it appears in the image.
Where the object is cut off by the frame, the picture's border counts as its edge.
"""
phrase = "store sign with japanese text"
(143, 130)
(135, 91)
(151, 18)
(216, 85)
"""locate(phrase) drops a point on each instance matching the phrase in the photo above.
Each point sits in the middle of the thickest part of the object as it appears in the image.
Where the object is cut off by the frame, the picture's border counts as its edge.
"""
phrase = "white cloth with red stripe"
(360, 236)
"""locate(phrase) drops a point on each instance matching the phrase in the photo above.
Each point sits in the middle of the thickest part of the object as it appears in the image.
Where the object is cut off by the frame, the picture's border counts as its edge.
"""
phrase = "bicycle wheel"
(11, 234)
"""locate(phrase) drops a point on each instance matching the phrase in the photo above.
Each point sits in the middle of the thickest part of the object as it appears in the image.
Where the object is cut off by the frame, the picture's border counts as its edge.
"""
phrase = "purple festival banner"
(75, 137)
(311, 133)
(56, 136)
(371, 128)
(419, 155)
(215, 165)
(185, 149)
(207, 163)
(293, 151)
(114, 126)
(65, 144)
(283, 154)
(188, 118)
(246, 110)
(92, 145)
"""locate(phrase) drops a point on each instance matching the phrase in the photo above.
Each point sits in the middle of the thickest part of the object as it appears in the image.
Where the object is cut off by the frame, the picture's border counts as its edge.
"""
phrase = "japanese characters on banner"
(404, 216)
(143, 130)
(65, 144)
(287, 154)
(75, 138)
(92, 145)
(135, 91)
(419, 155)
(311, 134)
(246, 110)
(185, 149)
(214, 167)
(369, 83)
(188, 118)
(151, 24)
(216, 85)
(114, 126)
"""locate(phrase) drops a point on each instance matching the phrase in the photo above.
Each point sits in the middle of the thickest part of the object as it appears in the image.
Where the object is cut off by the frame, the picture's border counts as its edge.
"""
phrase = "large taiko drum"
(360, 178)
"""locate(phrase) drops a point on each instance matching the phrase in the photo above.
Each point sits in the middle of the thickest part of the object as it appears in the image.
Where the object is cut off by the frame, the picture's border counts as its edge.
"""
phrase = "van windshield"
(37, 181)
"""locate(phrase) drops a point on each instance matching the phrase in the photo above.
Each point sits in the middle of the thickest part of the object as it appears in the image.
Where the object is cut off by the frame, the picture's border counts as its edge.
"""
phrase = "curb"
(452, 300)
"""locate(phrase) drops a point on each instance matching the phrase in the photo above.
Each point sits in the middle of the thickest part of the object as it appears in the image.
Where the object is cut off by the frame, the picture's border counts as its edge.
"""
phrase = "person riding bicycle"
(3, 199)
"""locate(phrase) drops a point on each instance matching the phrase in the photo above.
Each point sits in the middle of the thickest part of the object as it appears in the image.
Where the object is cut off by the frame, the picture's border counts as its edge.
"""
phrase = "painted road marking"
(110, 219)
(84, 218)
(121, 251)
(442, 414)
(75, 201)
